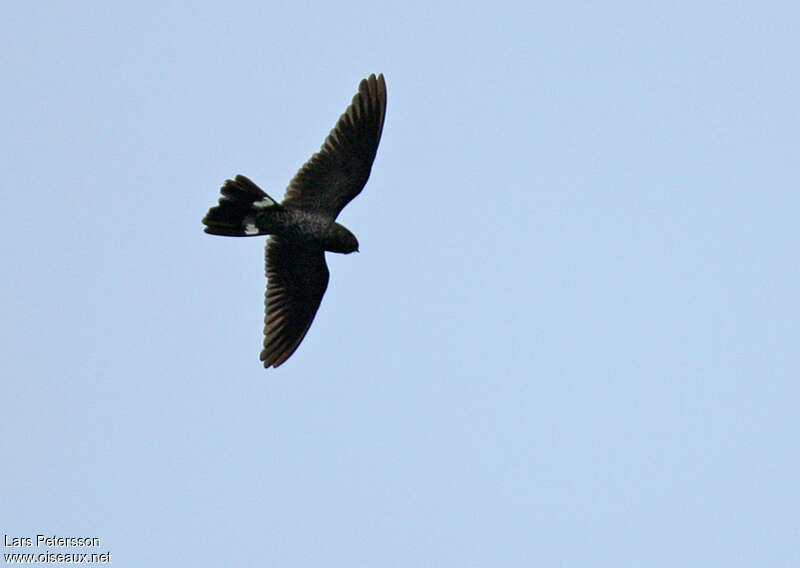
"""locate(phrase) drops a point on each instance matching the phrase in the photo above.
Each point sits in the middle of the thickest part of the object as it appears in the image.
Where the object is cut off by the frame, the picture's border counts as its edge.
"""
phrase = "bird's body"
(303, 226)
(300, 226)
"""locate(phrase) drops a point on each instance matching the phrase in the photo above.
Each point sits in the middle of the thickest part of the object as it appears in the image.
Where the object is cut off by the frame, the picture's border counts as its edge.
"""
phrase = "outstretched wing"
(337, 173)
(297, 279)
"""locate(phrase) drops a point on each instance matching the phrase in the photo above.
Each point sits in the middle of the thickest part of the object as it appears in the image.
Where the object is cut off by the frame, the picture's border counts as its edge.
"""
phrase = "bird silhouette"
(303, 226)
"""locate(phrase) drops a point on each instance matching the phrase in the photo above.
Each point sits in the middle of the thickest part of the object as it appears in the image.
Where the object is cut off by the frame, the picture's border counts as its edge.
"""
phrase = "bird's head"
(341, 240)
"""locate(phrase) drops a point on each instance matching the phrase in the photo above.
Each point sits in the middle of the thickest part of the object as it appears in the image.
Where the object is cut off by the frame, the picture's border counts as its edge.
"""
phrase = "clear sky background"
(570, 338)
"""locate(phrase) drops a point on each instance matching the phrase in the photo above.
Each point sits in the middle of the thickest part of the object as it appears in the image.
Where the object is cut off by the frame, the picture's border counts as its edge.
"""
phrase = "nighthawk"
(303, 226)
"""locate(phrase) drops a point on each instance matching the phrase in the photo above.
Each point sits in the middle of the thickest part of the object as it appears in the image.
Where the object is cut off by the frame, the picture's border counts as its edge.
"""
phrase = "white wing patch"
(264, 203)
(250, 227)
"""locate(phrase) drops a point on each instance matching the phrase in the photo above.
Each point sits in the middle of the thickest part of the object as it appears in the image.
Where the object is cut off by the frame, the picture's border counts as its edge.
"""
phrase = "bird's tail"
(241, 211)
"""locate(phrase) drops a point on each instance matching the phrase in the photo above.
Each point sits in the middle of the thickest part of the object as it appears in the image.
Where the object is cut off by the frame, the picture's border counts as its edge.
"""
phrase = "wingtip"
(378, 81)
(274, 359)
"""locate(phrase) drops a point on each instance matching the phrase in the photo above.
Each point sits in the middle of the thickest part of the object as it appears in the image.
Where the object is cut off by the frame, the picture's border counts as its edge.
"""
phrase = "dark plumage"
(303, 225)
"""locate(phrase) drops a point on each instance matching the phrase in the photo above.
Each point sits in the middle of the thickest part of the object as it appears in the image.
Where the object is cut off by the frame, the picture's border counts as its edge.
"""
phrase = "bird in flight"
(303, 226)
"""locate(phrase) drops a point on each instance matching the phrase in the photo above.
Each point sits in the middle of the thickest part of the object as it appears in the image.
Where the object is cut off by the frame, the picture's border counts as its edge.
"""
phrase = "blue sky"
(570, 337)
